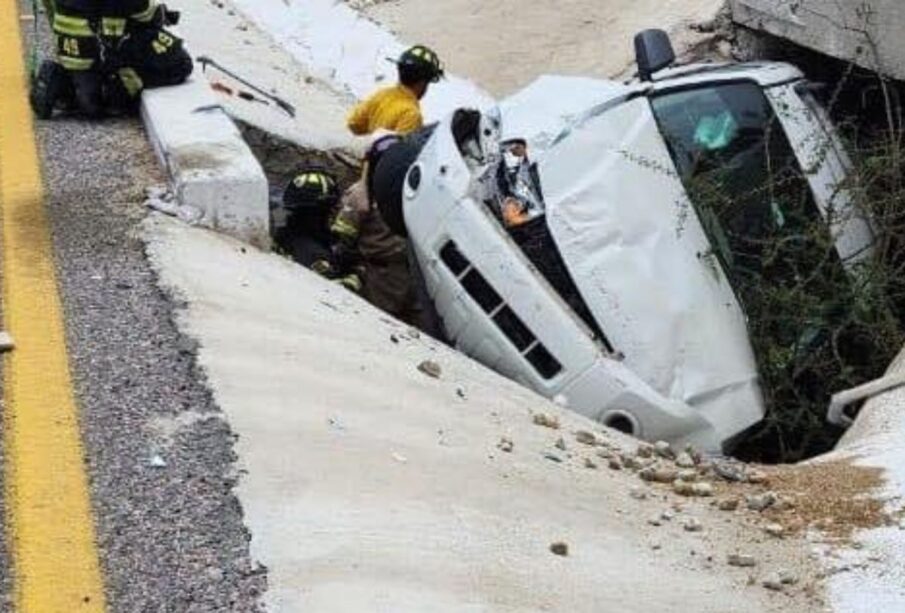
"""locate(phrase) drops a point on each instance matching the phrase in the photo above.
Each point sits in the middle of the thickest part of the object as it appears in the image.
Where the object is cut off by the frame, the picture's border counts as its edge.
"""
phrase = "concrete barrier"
(868, 33)
(209, 165)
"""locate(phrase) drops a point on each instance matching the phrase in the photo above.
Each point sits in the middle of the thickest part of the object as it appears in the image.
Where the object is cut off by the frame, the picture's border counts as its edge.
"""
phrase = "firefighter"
(108, 51)
(310, 201)
(388, 282)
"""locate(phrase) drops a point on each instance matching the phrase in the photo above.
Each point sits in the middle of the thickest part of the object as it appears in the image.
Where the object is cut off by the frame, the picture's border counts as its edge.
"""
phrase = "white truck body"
(668, 356)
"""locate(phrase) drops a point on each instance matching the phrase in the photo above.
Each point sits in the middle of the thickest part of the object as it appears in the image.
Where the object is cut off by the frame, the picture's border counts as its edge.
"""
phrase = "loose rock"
(614, 464)
(561, 444)
(638, 493)
(560, 549)
(590, 464)
(506, 445)
(757, 477)
(702, 489)
(664, 450)
(760, 502)
(689, 474)
(683, 488)
(692, 525)
(431, 369)
(655, 521)
(773, 582)
(741, 560)
(586, 438)
(728, 504)
(775, 530)
(730, 472)
(645, 451)
(546, 421)
(787, 577)
(685, 460)
(658, 474)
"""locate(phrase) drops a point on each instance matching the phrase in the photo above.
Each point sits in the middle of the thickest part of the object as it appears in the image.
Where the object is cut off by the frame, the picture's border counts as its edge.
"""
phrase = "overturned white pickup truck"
(588, 274)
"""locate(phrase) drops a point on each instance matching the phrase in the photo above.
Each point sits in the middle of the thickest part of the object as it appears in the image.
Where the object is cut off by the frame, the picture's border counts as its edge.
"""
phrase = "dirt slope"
(504, 45)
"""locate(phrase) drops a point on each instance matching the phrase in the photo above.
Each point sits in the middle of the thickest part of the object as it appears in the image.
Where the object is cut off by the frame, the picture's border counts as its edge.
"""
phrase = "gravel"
(171, 534)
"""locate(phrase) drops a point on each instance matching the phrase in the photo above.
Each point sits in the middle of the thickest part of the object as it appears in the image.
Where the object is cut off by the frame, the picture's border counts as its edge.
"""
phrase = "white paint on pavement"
(373, 487)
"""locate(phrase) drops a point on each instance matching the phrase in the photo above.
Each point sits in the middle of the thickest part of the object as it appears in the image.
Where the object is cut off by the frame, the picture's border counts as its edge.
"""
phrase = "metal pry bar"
(205, 61)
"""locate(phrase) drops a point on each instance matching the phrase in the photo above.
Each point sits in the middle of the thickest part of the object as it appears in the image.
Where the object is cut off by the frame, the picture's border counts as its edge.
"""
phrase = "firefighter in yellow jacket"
(388, 281)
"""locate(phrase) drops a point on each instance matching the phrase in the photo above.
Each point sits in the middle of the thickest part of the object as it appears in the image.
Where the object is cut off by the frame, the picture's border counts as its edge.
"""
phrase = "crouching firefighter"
(108, 52)
(311, 200)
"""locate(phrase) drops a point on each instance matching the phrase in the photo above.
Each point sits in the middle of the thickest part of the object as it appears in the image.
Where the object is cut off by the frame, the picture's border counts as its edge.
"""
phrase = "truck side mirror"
(653, 52)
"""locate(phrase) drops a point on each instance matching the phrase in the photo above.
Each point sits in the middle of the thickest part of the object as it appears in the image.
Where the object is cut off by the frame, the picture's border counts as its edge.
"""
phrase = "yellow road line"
(53, 546)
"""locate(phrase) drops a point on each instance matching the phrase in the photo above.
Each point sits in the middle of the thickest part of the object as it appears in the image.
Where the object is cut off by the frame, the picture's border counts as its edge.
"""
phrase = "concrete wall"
(209, 165)
(867, 31)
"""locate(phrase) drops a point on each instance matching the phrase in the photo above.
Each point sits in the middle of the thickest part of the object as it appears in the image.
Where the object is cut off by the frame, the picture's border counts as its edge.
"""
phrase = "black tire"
(387, 181)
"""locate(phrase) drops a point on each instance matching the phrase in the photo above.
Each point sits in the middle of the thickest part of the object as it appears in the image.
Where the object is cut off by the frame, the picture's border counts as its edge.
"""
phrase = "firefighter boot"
(51, 88)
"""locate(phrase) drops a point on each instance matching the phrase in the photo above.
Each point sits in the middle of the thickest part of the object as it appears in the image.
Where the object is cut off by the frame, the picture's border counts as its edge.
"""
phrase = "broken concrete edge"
(208, 164)
(869, 36)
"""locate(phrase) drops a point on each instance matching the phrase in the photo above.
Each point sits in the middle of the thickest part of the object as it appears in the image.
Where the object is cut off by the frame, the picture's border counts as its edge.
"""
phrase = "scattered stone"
(658, 474)
(546, 421)
(506, 445)
(685, 460)
(664, 450)
(656, 546)
(730, 472)
(586, 438)
(773, 582)
(400, 458)
(631, 462)
(760, 502)
(553, 458)
(683, 488)
(615, 464)
(728, 504)
(645, 451)
(775, 530)
(702, 489)
(560, 444)
(783, 504)
(590, 464)
(460, 393)
(561, 400)
(638, 493)
(757, 477)
(688, 474)
(787, 577)
(431, 369)
(667, 516)
(655, 521)
(692, 524)
(741, 560)
(157, 461)
(560, 549)
(6, 342)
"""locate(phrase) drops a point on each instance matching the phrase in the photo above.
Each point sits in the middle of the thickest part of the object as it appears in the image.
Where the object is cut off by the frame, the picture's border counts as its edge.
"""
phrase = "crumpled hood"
(622, 221)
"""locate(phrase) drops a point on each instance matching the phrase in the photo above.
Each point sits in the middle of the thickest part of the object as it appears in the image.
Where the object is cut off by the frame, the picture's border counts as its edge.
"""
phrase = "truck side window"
(742, 177)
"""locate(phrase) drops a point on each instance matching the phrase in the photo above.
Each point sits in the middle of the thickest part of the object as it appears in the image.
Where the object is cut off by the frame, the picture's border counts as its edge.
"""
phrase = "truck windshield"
(741, 175)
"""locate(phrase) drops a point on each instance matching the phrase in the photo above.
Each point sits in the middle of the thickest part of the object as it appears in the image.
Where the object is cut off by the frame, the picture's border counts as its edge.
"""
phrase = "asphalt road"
(160, 456)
